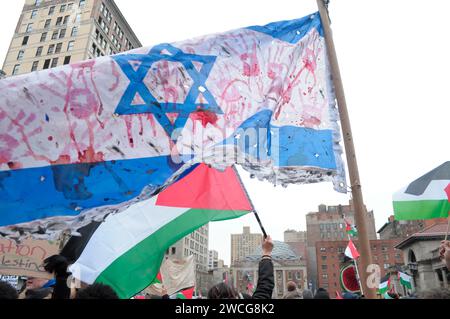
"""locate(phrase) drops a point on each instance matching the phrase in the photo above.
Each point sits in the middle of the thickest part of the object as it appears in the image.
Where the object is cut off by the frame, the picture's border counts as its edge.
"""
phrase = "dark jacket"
(266, 282)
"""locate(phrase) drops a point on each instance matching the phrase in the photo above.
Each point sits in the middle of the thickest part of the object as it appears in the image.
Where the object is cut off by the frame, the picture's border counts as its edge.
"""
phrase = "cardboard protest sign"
(25, 258)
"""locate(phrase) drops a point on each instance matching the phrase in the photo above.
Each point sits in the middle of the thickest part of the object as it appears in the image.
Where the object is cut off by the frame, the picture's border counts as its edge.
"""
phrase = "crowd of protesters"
(58, 288)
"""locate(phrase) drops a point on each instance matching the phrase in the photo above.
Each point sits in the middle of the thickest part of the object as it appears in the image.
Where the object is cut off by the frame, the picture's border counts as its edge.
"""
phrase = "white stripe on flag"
(121, 232)
(434, 191)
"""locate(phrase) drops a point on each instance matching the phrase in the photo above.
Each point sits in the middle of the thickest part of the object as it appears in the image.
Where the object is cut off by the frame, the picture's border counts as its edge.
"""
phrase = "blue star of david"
(151, 104)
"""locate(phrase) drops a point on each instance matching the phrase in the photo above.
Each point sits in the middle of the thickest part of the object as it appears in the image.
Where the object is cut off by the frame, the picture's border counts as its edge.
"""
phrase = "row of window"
(49, 63)
(60, 21)
(63, 7)
(58, 34)
(52, 49)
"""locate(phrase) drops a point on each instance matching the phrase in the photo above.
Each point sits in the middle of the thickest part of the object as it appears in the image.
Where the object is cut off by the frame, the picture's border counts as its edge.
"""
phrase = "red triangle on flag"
(447, 190)
(207, 188)
(188, 293)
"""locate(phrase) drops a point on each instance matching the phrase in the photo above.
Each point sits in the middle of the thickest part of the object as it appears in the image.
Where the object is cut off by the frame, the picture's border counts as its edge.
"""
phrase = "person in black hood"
(57, 265)
(322, 293)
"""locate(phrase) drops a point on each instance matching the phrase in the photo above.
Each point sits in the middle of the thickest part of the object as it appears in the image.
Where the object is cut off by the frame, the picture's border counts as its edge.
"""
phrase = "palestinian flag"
(350, 229)
(351, 251)
(384, 287)
(426, 198)
(405, 280)
(158, 279)
(186, 294)
(126, 251)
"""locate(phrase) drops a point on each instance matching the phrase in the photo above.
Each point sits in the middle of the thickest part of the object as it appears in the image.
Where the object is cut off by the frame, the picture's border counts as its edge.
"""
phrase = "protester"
(7, 291)
(292, 291)
(437, 293)
(40, 293)
(97, 291)
(444, 252)
(265, 284)
(57, 265)
(322, 293)
(33, 288)
(307, 294)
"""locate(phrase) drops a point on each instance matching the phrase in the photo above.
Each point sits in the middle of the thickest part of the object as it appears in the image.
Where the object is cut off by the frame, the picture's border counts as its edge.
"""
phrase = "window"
(55, 35)
(74, 32)
(70, 45)
(20, 55)
(386, 266)
(35, 65)
(47, 23)
(33, 14)
(324, 267)
(324, 276)
(58, 48)
(324, 257)
(59, 21)
(174, 250)
(43, 36)
(386, 257)
(78, 18)
(25, 40)
(323, 249)
(66, 19)
(51, 49)
(54, 62)
(16, 69)
(62, 33)
(37, 2)
(51, 10)
(82, 4)
(63, 8)
(69, 6)
(29, 27)
(39, 51)
(46, 64)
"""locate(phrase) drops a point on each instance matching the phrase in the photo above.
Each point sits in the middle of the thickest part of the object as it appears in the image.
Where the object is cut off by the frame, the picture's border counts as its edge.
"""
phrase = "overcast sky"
(395, 63)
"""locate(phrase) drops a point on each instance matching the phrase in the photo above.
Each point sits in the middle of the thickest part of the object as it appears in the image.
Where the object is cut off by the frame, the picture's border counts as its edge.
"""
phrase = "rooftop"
(433, 232)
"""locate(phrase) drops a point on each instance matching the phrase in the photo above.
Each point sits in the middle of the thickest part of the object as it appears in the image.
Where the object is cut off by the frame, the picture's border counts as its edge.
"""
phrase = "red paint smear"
(50, 138)
(205, 117)
(152, 123)
(14, 165)
(116, 74)
(128, 121)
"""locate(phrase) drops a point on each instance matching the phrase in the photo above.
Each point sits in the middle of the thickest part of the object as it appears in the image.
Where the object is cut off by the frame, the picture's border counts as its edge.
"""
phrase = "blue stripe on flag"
(65, 190)
(292, 31)
(286, 145)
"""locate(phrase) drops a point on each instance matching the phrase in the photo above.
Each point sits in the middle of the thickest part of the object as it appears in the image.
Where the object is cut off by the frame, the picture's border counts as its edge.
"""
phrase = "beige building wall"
(66, 31)
(243, 245)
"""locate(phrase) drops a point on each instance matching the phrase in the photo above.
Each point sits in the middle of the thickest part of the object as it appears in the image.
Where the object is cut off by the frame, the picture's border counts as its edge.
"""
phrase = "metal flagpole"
(251, 203)
(360, 212)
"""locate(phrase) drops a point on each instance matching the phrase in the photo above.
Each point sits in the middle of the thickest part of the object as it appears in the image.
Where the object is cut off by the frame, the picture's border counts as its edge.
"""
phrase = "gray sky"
(394, 60)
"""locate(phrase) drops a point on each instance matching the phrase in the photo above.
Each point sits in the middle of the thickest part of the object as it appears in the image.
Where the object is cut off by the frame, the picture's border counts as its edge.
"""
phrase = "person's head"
(349, 295)
(97, 291)
(35, 283)
(437, 293)
(39, 293)
(221, 291)
(307, 294)
(7, 291)
(291, 286)
(322, 293)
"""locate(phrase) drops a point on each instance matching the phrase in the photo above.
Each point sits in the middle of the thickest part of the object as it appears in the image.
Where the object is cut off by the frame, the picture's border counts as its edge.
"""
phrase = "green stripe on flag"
(422, 209)
(126, 274)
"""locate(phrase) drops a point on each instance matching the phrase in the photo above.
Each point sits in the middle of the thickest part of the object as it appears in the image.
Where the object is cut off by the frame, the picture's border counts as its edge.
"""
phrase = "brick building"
(330, 256)
(327, 224)
(395, 229)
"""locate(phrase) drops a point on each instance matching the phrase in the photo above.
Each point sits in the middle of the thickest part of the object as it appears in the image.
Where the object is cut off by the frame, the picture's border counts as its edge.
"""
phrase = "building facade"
(421, 258)
(330, 257)
(213, 259)
(402, 229)
(327, 224)
(243, 245)
(52, 33)
(287, 267)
